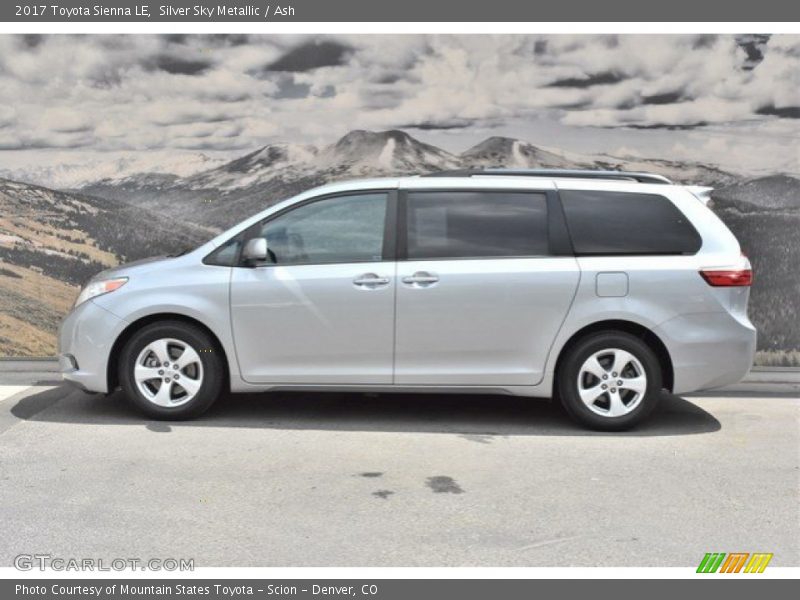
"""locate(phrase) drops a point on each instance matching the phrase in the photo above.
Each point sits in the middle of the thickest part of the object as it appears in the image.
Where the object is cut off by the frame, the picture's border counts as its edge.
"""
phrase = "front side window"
(473, 224)
(602, 222)
(339, 229)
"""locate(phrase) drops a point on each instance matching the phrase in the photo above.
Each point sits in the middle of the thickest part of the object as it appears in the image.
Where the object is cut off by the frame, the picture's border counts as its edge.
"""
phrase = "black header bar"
(208, 11)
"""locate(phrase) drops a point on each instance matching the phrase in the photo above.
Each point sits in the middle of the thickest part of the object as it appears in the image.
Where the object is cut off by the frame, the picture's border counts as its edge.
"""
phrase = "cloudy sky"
(731, 100)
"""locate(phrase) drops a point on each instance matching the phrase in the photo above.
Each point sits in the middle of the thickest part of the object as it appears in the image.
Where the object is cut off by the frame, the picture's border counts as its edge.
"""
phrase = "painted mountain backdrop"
(248, 184)
(52, 241)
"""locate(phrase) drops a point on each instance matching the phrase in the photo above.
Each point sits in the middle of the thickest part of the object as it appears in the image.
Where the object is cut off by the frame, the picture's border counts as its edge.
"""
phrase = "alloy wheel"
(168, 372)
(612, 382)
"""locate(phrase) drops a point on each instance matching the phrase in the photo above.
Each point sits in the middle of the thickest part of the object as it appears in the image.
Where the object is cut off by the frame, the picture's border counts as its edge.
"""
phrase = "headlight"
(98, 288)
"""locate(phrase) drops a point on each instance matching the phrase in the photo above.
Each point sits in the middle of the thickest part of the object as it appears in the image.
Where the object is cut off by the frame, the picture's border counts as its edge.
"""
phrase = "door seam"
(394, 324)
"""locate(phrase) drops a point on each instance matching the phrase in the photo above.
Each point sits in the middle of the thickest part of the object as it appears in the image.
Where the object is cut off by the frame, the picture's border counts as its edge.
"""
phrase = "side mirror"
(255, 250)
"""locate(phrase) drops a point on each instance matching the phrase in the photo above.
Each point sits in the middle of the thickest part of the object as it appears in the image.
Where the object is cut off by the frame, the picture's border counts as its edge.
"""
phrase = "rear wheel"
(610, 381)
(171, 370)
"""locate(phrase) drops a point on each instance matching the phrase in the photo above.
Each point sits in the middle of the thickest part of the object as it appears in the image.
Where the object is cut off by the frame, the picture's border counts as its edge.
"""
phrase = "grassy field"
(31, 307)
(52, 242)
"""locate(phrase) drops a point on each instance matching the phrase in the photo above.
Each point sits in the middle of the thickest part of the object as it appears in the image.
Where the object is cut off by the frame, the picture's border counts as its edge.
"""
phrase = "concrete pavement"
(398, 480)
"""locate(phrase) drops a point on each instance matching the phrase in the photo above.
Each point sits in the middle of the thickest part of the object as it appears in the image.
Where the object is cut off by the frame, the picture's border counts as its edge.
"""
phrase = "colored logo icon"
(734, 562)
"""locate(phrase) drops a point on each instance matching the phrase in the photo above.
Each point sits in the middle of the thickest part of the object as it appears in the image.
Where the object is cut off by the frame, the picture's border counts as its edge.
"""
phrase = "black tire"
(570, 370)
(211, 378)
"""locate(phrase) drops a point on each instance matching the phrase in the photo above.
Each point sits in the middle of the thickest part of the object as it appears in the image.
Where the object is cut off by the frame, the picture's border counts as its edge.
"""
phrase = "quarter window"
(603, 223)
(472, 224)
(340, 229)
(226, 254)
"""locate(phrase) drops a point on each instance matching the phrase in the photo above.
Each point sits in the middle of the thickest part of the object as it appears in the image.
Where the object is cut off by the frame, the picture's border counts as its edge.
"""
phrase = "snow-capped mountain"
(224, 194)
(115, 168)
(511, 153)
(370, 153)
(275, 160)
(357, 154)
(238, 188)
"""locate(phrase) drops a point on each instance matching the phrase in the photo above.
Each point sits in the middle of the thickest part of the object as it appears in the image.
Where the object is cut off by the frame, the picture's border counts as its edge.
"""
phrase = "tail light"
(728, 277)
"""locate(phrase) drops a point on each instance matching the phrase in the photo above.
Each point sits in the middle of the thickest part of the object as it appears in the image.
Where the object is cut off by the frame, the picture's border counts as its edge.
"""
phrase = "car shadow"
(468, 415)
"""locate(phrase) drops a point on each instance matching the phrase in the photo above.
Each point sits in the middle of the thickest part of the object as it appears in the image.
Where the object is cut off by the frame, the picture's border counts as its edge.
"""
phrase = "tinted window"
(225, 255)
(626, 223)
(476, 224)
(334, 230)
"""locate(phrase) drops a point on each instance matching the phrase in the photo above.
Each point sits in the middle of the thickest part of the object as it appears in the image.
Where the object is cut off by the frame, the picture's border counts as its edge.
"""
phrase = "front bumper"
(708, 350)
(85, 340)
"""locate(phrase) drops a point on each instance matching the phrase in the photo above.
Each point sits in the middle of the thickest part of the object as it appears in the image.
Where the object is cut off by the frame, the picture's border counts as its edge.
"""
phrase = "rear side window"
(627, 223)
(471, 224)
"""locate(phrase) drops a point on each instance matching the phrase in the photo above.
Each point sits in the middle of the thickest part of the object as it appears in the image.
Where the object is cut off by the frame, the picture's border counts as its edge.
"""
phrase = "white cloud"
(142, 92)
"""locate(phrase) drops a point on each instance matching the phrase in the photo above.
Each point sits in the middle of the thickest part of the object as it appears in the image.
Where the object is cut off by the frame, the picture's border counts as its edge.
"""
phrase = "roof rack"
(557, 173)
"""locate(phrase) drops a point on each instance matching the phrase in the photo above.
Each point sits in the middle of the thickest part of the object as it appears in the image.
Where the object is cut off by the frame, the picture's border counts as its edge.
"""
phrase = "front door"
(320, 310)
(480, 297)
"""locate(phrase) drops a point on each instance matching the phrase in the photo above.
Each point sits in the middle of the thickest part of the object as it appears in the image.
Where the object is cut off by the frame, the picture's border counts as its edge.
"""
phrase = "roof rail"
(556, 173)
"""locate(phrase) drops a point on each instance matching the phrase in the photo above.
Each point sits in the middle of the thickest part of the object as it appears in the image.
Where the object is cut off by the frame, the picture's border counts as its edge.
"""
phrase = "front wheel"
(610, 381)
(171, 370)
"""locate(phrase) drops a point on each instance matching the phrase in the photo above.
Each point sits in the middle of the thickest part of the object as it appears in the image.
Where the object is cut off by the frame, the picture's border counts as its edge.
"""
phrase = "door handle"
(370, 281)
(421, 279)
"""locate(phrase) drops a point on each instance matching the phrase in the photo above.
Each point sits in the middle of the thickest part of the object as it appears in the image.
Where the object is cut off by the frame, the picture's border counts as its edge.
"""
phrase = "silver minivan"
(597, 288)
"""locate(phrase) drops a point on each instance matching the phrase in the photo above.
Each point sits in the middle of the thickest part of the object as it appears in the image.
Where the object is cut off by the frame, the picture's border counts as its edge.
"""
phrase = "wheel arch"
(112, 370)
(646, 335)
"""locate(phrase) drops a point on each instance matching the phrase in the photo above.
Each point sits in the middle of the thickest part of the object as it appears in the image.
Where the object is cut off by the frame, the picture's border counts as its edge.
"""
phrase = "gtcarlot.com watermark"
(44, 562)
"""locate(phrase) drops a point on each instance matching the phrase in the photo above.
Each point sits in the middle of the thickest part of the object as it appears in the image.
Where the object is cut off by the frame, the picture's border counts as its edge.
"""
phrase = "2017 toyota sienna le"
(598, 288)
